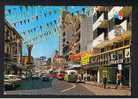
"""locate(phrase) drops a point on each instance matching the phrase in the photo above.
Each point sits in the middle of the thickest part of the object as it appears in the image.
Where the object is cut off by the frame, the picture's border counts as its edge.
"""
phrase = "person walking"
(85, 76)
(104, 81)
(79, 77)
(118, 79)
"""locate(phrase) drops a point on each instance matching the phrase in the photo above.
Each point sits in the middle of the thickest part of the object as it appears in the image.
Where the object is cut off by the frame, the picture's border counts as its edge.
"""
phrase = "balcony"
(101, 22)
(98, 40)
(7, 39)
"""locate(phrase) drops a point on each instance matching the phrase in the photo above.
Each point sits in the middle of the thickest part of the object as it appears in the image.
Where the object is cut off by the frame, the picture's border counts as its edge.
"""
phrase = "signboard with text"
(85, 59)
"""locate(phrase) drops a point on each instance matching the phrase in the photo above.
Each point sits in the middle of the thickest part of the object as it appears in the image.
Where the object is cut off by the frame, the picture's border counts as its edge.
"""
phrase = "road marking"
(74, 85)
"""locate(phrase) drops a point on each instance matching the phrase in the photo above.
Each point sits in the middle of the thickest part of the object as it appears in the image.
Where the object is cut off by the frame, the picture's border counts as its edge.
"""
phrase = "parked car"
(11, 80)
(52, 74)
(35, 76)
(71, 76)
(45, 77)
(23, 76)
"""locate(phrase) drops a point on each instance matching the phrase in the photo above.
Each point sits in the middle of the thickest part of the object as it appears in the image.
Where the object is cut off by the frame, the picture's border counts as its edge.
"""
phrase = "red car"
(52, 75)
(60, 75)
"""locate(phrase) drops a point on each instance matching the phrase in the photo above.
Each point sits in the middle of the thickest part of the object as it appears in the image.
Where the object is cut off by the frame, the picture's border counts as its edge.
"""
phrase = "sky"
(44, 45)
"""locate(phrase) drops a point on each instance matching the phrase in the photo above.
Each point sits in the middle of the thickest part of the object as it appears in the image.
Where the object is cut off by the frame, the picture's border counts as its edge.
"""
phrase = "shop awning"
(104, 43)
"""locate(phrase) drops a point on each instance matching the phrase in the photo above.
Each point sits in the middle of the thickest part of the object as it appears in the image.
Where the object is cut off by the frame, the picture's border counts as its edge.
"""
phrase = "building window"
(63, 39)
(102, 50)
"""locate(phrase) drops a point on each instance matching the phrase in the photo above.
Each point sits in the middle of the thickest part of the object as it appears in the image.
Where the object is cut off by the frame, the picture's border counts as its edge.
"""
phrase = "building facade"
(112, 42)
(12, 49)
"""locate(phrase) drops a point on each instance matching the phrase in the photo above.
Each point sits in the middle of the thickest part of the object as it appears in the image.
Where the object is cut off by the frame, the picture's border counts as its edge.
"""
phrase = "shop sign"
(120, 61)
(127, 53)
(112, 62)
(113, 56)
(119, 66)
(85, 59)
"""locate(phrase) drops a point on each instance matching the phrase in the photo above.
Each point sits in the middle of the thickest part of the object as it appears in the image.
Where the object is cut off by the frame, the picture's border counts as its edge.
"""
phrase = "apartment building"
(66, 32)
(111, 44)
(12, 48)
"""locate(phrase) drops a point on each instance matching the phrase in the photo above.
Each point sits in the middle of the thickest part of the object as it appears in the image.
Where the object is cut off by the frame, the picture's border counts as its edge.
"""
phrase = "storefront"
(110, 62)
(94, 68)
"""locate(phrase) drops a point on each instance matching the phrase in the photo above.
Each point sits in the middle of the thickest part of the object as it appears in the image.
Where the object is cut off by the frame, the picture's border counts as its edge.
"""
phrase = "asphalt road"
(52, 87)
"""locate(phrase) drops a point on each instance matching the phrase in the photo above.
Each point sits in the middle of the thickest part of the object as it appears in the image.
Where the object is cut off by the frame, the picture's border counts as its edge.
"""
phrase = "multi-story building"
(76, 32)
(66, 32)
(111, 44)
(12, 48)
(86, 32)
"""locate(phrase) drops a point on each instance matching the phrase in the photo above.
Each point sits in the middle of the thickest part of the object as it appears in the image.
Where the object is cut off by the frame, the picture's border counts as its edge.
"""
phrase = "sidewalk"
(110, 90)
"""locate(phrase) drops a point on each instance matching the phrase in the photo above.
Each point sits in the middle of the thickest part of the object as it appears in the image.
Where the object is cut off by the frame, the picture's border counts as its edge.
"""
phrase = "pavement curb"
(108, 86)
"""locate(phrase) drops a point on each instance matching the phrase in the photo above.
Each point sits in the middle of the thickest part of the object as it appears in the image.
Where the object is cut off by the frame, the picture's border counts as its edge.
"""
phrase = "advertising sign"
(119, 66)
(127, 53)
(85, 59)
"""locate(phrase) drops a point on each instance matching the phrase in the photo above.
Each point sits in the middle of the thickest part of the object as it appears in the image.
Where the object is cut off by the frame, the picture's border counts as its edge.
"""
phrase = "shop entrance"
(93, 73)
(112, 75)
(126, 75)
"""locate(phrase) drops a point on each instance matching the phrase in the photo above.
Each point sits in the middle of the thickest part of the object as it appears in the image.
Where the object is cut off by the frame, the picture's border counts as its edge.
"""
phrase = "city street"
(52, 87)
(75, 44)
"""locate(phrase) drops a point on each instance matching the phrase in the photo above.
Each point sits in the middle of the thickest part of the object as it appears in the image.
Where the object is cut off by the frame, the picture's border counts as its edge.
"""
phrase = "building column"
(129, 76)
(18, 51)
(98, 76)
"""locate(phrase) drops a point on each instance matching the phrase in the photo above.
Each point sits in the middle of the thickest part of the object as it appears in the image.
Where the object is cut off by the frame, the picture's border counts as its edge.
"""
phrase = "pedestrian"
(95, 77)
(85, 76)
(82, 76)
(79, 77)
(118, 79)
(104, 81)
(88, 77)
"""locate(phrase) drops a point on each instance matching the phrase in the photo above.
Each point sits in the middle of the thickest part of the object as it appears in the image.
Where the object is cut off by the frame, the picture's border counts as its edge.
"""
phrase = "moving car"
(71, 76)
(60, 75)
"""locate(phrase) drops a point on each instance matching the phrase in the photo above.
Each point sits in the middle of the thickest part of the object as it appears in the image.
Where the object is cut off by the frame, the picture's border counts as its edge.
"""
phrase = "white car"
(11, 80)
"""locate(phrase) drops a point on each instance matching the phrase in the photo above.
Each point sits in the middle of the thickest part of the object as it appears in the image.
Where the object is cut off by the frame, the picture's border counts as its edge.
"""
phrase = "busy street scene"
(67, 50)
